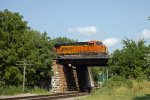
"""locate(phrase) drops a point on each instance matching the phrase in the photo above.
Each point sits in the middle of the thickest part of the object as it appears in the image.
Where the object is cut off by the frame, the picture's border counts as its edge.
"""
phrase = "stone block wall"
(64, 78)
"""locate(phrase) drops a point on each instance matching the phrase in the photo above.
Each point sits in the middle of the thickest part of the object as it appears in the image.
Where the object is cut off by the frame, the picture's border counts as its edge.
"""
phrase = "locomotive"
(81, 50)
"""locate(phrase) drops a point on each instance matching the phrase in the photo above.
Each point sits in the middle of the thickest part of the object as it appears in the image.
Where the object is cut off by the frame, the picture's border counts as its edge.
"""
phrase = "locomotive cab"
(94, 43)
(99, 43)
(91, 43)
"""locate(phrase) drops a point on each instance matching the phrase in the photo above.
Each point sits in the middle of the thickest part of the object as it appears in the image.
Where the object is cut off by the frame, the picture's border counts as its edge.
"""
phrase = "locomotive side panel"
(80, 51)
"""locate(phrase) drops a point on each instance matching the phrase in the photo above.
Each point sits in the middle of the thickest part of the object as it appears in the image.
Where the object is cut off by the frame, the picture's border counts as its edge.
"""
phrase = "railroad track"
(49, 97)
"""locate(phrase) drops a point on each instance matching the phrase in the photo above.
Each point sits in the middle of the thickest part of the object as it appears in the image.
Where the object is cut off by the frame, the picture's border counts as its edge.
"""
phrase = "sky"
(109, 21)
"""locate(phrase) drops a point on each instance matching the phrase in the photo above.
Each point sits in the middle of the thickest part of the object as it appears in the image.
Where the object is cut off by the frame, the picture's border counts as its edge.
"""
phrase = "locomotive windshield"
(99, 43)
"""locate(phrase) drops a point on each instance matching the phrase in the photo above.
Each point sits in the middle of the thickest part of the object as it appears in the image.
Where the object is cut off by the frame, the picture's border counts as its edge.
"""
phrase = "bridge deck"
(85, 61)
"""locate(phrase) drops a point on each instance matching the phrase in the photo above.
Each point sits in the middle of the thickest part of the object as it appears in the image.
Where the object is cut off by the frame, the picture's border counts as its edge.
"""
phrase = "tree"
(62, 39)
(37, 47)
(13, 76)
(96, 73)
(19, 42)
(11, 28)
(129, 61)
(147, 58)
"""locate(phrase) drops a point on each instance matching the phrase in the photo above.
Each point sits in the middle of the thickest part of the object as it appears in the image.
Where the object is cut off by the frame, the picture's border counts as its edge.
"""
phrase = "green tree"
(129, 62)
(11, 28)
(62, 39)
(37, 47)
(19, 42)
(147, 58)
(96, 73)
(13, 76)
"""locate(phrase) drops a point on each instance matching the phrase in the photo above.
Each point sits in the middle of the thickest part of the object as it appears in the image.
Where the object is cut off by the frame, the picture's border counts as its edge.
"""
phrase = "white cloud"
(145, 34)
(90, 30)
(110, 41)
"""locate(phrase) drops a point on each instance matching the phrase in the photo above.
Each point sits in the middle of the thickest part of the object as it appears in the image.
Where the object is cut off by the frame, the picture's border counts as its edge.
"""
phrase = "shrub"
(118, 81)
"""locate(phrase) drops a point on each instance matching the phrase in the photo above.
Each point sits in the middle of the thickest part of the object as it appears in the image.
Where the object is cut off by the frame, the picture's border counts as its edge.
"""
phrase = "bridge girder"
(83, 62)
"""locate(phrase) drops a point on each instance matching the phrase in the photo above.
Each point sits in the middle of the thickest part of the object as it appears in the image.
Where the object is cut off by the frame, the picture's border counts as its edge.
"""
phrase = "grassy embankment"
(12, 90)
(122, 89)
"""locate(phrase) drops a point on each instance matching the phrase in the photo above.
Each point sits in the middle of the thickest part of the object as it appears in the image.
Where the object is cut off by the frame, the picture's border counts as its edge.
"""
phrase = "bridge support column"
(83, 78)
(58, 82)
(70, 75)
(63, 78)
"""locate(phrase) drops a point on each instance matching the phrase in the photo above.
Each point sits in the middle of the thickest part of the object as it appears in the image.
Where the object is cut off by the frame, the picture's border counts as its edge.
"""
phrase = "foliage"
(119, 88)
(13, 90)
(10, 90)
(130, 62)
(95, 73)
(12, 76)
(37, 47)
(118, 81)
(11, 29)
(18, 42)
(38, 90)
(147, 58)
(63, 39)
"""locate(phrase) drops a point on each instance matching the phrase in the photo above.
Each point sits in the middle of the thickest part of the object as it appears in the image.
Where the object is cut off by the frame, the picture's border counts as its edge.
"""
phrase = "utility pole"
(107, 74)
(24, 64)
(103, 74)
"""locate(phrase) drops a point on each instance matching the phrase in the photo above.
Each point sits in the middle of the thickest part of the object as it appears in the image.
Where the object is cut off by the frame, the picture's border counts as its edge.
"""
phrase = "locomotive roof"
(73, 43)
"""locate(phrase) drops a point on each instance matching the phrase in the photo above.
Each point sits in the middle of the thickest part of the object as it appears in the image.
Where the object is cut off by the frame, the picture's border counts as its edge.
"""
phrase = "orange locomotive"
(76, 50)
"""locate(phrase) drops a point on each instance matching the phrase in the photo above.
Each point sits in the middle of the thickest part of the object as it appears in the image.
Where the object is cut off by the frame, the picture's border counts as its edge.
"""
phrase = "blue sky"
(107, 20)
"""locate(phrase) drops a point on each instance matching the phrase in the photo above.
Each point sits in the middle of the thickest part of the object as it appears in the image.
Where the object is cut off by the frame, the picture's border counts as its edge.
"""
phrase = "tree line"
(18, 42)
(132, 61)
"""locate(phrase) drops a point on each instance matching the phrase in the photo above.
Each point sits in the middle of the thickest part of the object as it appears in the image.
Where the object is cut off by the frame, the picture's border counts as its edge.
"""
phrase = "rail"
(49, 97)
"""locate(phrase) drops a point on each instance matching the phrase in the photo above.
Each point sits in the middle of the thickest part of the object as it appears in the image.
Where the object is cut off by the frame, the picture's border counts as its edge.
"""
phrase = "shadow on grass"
(145, 97)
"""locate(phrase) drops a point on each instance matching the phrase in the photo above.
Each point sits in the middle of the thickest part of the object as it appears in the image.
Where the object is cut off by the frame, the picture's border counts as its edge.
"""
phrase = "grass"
(13, 90)
(10, 90)
(122, 90)
(38, 90)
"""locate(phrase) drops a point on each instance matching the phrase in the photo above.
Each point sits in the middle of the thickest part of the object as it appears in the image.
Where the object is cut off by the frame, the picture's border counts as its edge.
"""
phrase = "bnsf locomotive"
(79, 50)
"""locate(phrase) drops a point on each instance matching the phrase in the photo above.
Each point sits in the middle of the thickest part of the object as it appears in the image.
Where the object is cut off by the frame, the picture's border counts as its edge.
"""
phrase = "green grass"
(121, 90)
(10, 90)
(13, 90)
(38, 90)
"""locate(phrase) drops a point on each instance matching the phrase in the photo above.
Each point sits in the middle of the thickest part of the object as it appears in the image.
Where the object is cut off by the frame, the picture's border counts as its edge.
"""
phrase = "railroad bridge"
(70, 67)
(73, 74)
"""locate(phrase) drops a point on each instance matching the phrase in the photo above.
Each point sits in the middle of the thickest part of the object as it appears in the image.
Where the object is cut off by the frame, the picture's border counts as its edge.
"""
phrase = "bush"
(131, 61)
(13, 76)
(119, 88)
(118, 81)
